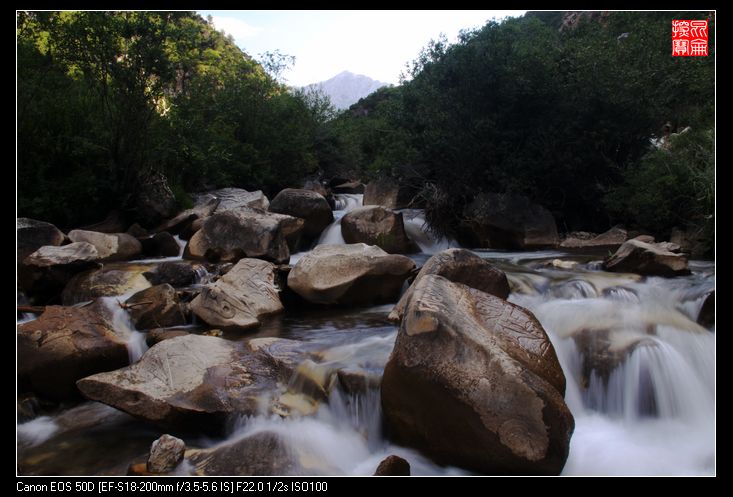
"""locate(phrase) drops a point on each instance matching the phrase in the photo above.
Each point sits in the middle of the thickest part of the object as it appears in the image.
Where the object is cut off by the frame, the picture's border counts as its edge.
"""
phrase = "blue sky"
(324, 43)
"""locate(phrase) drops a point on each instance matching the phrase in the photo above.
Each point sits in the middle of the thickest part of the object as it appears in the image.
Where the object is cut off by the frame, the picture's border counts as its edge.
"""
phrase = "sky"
(377, 44)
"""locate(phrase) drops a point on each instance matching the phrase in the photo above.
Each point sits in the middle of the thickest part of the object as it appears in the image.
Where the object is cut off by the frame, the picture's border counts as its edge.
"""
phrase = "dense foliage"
(105, 98)
(564, 116)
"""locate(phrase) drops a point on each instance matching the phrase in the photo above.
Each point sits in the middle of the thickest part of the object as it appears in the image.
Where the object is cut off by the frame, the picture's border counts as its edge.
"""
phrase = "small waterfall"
(344, 203)
(123, 327)
(416, 228)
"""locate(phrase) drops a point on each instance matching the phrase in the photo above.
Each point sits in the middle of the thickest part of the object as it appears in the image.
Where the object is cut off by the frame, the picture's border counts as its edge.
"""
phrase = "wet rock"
(139, 469)
(189, 382)
(28, 407)
(349, 187)
(235, 199)
(241, 298)
(110, 247)
(159, 334)
(155, 307)
(349, 274)
(643, 258)
(393, 466)
(610, 240)
(137, 231)
(175, 273)
(165, 454)
(154, 200)
(307, 205)
(387, 193)
(45, 273)
(109, 280)
(63, 345)
(462, 354)
(356, 381)
(33, 234)
(161, 244)
(508, 222)
(261, 454)
(707, 312)
(376, 225)
(232, 235)
(183, 221)
(459, 266)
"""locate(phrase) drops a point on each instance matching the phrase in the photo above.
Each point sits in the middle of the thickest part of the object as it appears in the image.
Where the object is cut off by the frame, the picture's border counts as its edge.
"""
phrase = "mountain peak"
(346, 88)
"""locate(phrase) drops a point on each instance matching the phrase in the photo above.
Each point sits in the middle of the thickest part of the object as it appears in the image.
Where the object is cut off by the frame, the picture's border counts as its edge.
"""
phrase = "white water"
(654, 414)
(36, 431)
(124, 328)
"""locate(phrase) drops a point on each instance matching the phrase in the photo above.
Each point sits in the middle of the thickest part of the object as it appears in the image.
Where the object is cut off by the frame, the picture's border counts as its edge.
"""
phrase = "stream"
(640, 375)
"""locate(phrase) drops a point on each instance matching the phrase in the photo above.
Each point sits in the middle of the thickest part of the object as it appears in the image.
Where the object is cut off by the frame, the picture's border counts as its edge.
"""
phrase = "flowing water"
(640, 376)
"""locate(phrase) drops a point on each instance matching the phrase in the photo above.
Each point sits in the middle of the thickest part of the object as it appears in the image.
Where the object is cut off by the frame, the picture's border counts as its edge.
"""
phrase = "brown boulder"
(165, 454)
(378, 226)
(63, 345)
(651, 259)
(33, 235)
(307, 205)
(393, 466)
(107, 281)
(45, 272)
(387, 193)
(188, 382)
(349, 274)
(610, 240)
(110, 247)
(473, 381)
(508, 222)
(241, 298)
(234, 234)
(161, 244)
(155, 307)
(459, 266)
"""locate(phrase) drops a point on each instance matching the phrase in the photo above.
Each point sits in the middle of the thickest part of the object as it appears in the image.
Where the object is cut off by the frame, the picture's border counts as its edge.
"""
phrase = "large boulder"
(610, 240)
(349, 274)
(110, 247)
(348, 187)
(235, 199)
(205, 207)
(393, 466)
(115, 222)
(107, 281)
(387, 193)
(154, 200)
(473, 381)
(375, 225)
(459, 266)
(707, 312)
(188, 382)
(155, 307)
(161, 244)
(45, 273)
(651, 259)
(307, 205)
(175, 273)
(234, 234)
(32, 235)
(63, 345)
(508, 222)
(241, 298)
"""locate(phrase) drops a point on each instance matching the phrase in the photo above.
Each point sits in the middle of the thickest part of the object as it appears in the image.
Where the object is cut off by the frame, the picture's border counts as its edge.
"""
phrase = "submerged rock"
(349, 274)
(473, 381)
